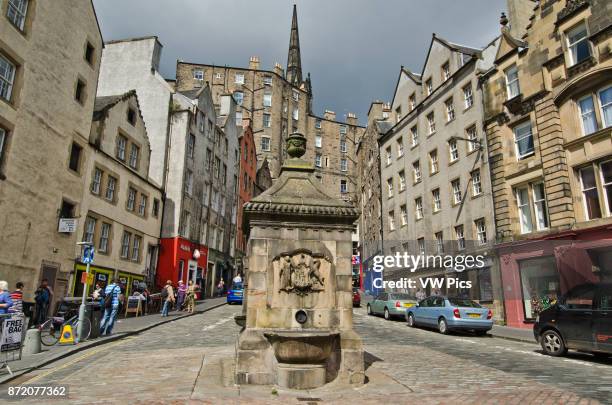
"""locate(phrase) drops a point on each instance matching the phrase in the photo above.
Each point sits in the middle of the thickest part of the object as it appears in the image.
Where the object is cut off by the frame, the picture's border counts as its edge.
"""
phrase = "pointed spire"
(294, 60)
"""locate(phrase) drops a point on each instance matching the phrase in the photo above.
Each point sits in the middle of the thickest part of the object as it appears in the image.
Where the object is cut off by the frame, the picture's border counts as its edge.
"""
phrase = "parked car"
(390, 304)
(235, 293)
(450, 313)
(356, 297)
(580, 320)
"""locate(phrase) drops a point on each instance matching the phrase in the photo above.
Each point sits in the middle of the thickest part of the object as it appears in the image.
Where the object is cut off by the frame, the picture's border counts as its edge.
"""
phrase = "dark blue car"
(235, 293)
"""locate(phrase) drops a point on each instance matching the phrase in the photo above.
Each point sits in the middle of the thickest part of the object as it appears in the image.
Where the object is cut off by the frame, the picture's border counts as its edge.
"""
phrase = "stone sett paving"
(188, 361)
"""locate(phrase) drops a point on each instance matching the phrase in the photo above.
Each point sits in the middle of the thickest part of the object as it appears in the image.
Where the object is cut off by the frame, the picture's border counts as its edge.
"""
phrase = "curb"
(514, 339)
(96, 343)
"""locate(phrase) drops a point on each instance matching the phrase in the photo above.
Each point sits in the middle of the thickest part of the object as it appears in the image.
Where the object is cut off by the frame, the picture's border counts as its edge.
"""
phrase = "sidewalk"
(506, 332)
(123, 327)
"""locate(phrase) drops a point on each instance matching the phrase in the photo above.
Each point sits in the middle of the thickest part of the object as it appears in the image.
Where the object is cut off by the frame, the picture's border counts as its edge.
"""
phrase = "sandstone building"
(121, 208)
(49, 62)
(548, 121)
(278, 104)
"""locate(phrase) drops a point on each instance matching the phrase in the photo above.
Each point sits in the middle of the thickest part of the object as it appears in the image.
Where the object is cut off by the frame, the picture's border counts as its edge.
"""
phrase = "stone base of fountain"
(301, 376)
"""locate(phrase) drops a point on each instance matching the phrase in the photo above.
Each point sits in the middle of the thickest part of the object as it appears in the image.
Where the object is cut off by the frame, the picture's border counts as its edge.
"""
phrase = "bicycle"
(51, 329)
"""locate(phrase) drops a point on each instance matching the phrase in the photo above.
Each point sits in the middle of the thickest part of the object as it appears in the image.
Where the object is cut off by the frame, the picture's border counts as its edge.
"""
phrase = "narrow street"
(175, 361)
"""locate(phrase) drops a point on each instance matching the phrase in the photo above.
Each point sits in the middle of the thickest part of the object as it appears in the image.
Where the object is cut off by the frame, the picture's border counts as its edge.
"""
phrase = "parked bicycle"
(51, 329)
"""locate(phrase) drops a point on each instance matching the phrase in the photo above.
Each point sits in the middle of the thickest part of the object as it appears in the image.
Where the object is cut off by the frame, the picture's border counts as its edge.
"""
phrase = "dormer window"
(198, 75)
(578, 44)
(512, 82)
(429, 86)
(131, 116)
(446, 73)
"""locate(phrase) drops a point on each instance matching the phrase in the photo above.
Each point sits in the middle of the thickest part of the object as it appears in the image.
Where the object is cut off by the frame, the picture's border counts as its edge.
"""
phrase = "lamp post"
(477, 143)
(88, 254)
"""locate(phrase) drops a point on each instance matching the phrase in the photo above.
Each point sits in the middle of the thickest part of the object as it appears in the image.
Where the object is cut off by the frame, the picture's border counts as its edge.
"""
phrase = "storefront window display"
(540, 284)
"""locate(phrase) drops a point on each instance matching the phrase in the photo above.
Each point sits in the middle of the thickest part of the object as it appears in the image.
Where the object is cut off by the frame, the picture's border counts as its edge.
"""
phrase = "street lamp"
(477, 143)
(88, 254)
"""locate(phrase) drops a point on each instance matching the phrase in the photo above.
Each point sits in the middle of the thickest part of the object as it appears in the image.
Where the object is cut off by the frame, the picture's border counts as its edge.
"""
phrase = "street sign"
(88, 254)
(87, 278)
(67, 225)
(11, 334)
(356, 259)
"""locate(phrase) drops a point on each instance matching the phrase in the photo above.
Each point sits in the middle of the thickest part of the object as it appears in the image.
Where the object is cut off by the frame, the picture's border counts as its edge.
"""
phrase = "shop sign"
(67, 225)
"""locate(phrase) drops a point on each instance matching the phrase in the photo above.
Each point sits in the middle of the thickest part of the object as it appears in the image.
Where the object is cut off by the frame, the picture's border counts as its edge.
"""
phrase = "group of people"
(181, 299)
(12, 302)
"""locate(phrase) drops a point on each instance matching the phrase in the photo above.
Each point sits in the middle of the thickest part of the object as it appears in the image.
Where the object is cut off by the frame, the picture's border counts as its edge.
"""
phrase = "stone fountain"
(297, 310)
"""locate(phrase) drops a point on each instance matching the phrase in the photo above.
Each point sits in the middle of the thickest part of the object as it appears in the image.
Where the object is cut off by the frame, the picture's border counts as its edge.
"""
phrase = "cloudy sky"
(352, 48)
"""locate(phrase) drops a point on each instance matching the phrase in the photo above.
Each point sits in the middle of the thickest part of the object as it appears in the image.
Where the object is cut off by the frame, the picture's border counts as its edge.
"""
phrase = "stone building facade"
(44, 131)
(548, 123)
(121, 208)
(279, 104)
(436, 194)
(247, 184)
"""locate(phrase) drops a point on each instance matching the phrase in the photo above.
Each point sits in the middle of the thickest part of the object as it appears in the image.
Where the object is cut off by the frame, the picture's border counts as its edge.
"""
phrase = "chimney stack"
(278, 69)
(329, 115)
(254, 63)
(351, 119)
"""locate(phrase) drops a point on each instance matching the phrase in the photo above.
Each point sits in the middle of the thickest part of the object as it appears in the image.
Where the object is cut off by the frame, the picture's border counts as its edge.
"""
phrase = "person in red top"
(17, 298)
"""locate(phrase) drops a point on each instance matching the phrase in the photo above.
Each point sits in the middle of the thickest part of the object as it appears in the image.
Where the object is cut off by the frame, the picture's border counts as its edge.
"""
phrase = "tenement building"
(47, 93)
(247, 186)
(436, 193)
(121, 208)
(279, 102)
(548, 112)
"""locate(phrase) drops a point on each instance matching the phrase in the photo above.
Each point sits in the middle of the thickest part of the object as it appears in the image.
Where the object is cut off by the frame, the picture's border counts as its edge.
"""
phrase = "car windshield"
(463, 302)
(401, 296)
(237, 286)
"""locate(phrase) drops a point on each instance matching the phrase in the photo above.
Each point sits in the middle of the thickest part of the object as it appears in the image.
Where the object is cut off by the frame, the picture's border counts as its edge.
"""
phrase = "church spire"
(294, 60)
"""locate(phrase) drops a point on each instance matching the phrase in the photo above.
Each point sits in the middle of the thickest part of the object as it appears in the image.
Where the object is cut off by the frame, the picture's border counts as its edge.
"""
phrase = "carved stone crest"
(299, 272)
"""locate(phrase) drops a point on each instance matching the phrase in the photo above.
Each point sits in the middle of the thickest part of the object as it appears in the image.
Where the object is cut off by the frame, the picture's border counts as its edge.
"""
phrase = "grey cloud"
(353, 48)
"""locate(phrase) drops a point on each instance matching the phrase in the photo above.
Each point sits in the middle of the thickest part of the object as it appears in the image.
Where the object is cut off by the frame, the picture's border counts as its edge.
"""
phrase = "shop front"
(181, 259)
(535, 273)
(103, 276)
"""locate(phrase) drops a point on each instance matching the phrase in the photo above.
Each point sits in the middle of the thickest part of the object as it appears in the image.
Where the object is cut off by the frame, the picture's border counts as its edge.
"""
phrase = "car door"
(377, 308)
(436, 311)
(421, 311)
(575, 317)
(602, 319)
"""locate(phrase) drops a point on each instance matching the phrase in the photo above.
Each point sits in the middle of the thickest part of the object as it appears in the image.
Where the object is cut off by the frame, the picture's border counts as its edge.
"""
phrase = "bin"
(93, 311)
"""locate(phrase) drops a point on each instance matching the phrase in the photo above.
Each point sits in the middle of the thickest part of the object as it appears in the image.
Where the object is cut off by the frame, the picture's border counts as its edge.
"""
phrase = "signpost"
(88, 256)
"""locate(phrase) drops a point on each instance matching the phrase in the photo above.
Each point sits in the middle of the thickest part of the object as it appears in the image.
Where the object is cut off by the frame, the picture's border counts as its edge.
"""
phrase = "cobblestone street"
(190, 359)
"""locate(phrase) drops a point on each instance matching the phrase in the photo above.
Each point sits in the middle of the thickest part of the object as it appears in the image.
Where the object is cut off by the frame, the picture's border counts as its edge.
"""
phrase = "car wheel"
(410, 320)
(552, 343)
(369, 310)
(387, 315)
(443, 326)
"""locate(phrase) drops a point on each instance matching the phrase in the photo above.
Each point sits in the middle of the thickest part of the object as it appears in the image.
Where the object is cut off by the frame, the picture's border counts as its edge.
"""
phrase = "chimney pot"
(254, 63)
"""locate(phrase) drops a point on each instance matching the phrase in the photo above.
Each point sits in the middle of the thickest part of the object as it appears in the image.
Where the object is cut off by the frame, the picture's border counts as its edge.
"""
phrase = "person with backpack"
(42, 297)
(167, 294)
(112, 293)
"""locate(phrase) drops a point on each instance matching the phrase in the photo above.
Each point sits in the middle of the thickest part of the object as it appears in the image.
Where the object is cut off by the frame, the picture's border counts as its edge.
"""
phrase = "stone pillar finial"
(503, 20)
(296, 145)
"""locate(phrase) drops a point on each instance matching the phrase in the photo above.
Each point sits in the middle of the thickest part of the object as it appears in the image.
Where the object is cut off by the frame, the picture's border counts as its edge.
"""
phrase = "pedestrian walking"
(237, 279)
(191, 290)
(17, 298)
(112, 294)
(220, 287)
(5, 297)
(42, 298)
(182, 291)
(420, 295)
(168, 297)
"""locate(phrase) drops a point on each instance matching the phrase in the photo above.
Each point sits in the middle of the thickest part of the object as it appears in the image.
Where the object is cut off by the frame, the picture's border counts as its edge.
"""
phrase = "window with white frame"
(142, 208)
(472, 135)
(121, 147)
(578, 44)
(606, 181)
(402, 181)
(198, 74)
(3, 140)
(265, 143)
(343, 187)
(446, 73)
(390, 187)
(481, 231)
(267, 121)
(540, 207)
(403, 215)
(391, 218)
(437, 203)
(343, 165)
(524, 211)
(185, 225)
(296, 95)
(342, 145)
(398, 114)
(267, 99)
(416, 171)
(429, 86)
(456, 187)
(239, 118)
(389, 156)
(134, 152)
(111, 183)
(418, 208)
(343, 129)
(433, 162)
(16, 12)
(596, 112)
(7, 77)
(296, 113)
(400, 148)
(590, 194)
(453, 150)
(512, 82)
(450, 110)
(96, 181)
(476, 183)
(421, 245)
(238, 97)
(587, 115)
(431, 123)
(523, 140)
(218, 76)
(605, 104)
(412, 101)
(239, 78)
(318, 141)
(415, 135)
(189, 182)
(460, 237)
(136, 242)
(131, 200)
(125, 244)
(90, 229)
(439, 242)
(267, 80)
(104, 237)
(468, 96)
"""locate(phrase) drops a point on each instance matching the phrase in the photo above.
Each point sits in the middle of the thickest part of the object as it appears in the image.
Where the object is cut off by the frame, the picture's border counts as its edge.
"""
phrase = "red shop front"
(535, 273)
(181, 259)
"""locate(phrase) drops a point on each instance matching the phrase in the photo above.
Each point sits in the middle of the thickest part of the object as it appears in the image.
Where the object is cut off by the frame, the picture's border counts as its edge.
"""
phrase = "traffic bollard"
(31, 343)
